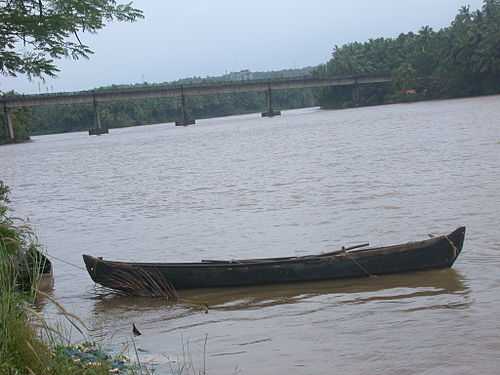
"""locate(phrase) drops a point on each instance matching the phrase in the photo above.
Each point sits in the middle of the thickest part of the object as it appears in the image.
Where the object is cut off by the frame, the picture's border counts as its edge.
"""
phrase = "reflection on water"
(260, 313)
(307, 182)
(354, 291)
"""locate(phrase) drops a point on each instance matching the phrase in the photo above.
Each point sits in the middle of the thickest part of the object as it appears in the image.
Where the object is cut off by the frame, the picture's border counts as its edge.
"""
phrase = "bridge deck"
(157, 91)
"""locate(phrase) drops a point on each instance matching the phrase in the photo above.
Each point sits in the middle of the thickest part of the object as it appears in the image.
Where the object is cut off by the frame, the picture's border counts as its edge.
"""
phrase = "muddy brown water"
(306, 182)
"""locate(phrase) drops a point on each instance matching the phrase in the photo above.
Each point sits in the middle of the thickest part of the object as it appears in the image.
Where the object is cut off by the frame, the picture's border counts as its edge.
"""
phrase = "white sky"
(198, 38)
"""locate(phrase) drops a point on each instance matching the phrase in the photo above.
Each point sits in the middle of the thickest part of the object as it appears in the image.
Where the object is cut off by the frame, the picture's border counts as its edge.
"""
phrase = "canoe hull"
(435, 253)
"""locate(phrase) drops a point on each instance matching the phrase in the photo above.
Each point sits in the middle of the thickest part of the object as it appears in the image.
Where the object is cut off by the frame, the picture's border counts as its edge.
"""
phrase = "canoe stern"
(456, 240)
(91, 263)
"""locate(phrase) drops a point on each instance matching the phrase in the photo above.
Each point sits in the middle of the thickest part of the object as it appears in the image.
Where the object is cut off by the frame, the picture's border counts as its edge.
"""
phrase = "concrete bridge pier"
(98, 129)
(356, 96)
(269, 99)
(185, 120)
(9, 126)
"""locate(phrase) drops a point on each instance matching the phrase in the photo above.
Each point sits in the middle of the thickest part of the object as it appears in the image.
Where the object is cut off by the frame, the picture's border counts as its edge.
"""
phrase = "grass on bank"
(28, 344)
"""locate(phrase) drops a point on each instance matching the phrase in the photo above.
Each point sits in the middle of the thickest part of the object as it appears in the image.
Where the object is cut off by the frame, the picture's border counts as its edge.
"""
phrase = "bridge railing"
(177, 86)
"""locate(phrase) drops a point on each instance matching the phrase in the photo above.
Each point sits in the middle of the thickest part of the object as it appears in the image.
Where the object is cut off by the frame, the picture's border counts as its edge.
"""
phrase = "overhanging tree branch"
(33, 33)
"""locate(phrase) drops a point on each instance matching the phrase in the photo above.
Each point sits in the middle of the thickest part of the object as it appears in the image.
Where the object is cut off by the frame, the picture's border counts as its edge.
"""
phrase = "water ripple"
(307, 182)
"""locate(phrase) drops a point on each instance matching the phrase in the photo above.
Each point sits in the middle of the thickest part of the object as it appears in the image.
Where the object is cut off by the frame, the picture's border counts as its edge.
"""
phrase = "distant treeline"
(462, 59)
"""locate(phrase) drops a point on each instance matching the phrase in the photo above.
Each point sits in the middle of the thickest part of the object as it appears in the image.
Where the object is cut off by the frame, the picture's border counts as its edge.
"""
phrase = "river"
(306, 182)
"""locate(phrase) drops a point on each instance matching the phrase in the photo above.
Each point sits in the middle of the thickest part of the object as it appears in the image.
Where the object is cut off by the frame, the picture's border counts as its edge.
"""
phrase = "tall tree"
(458, 60)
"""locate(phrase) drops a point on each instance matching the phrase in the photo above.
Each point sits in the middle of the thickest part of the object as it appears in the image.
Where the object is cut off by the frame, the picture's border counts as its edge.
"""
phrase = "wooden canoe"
(144, 278)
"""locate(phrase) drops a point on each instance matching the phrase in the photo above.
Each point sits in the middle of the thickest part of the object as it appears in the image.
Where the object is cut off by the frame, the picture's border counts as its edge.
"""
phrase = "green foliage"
(28, 345)
(404, 77)
(21, 120)
(459, 60)
(35, 32)
(10, 239)
(4, 200)
(21, 256)
(19, 344)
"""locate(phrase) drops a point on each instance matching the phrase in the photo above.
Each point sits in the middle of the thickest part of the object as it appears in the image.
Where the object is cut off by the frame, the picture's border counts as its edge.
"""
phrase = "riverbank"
(4, 142)
(29, 345)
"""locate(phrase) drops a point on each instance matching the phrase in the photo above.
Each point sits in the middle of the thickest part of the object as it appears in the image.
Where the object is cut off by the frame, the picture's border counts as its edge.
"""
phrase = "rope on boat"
(65, 261)
(358, 264)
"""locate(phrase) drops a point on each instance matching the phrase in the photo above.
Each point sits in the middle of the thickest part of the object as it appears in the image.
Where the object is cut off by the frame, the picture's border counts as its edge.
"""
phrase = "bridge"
(96, 97)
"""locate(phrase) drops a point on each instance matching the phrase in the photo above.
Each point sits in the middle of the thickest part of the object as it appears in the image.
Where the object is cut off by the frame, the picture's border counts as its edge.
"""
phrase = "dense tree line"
(462, 59)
